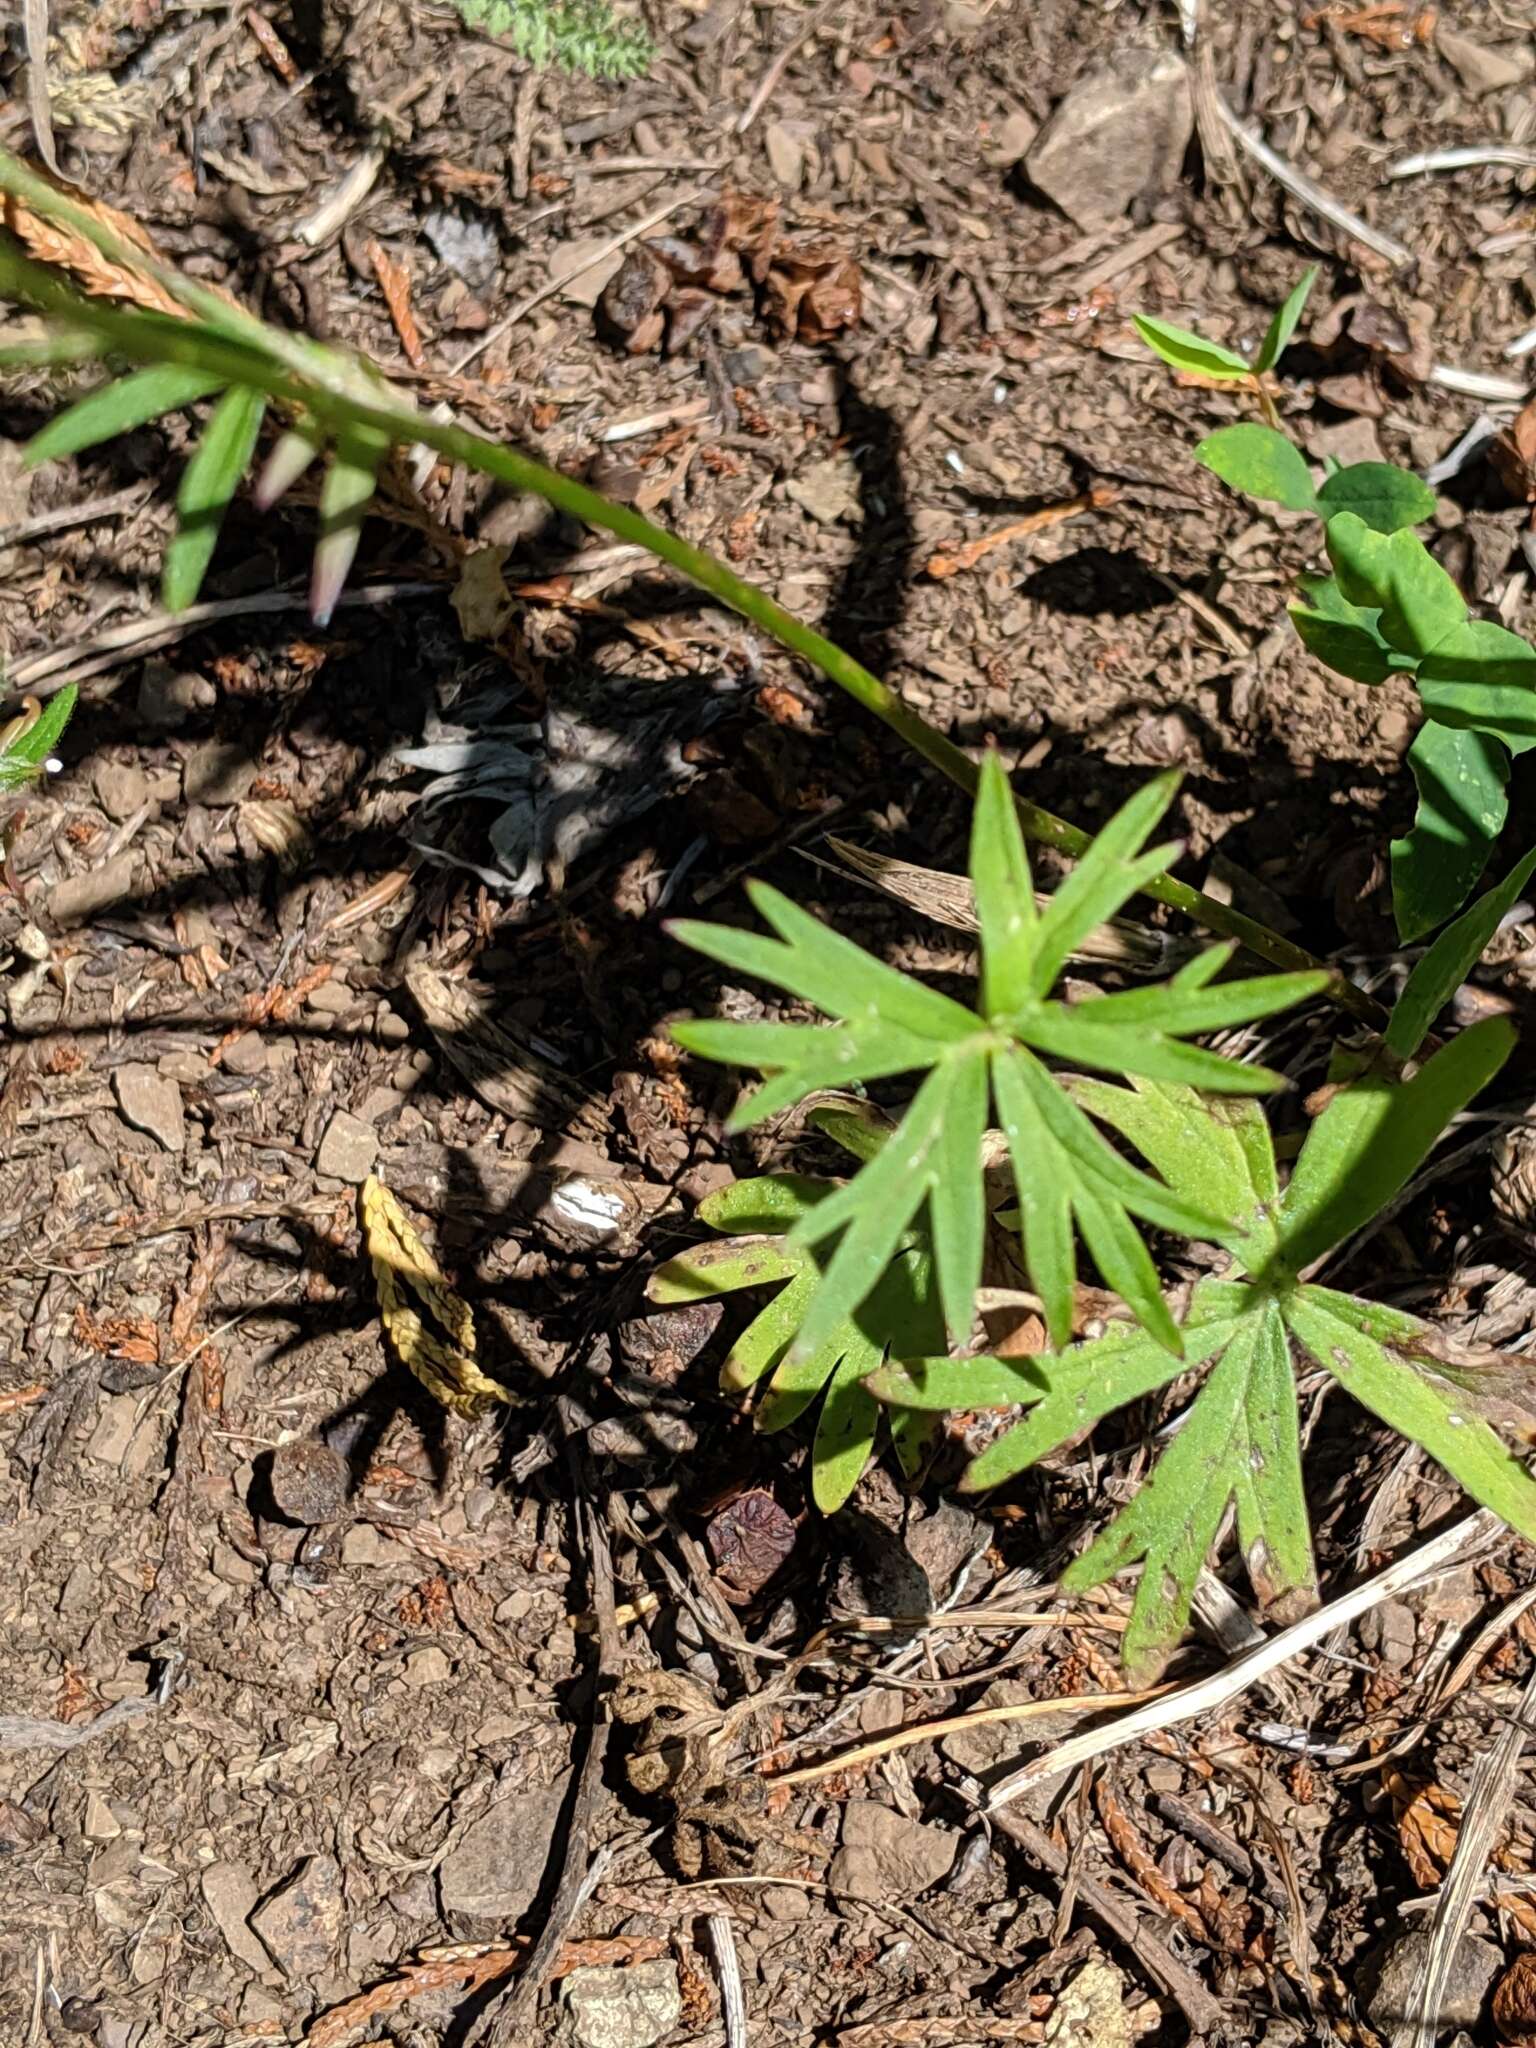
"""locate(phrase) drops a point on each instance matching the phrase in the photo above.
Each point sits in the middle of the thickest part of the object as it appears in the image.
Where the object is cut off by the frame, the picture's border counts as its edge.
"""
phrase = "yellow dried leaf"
(405, 1274)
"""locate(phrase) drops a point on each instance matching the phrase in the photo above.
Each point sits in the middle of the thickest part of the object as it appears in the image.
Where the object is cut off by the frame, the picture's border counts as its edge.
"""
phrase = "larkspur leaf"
(1102, 880)
(1442, 970)
(1005, 894)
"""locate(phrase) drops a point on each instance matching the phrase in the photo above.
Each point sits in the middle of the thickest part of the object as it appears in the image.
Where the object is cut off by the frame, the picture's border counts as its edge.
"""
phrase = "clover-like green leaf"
(119, 407)
(1344, 637)
(29, 744)
(1482, 677)
(209, 481)
(1461, 778)
(1448, 962)
(1261, 463)
(1287, 316)
(1396, 574)
(1380, 493)
(1185, 350)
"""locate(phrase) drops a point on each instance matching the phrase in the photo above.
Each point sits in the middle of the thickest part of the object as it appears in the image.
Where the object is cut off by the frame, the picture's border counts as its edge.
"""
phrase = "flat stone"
(332, 998)
(121, 787)
(168, 697)
(566, 260)
(246, 1055)
(886, 1856)
(300, 1924)
(151, 1103)
(1479, 68)
(623, 2008)
(1120, 134)
(217, 772)
(428, 1666)
(229, 1893)
(1473, 1969)
(348, 1149)
(498, 1864)
(79, 897)
(309, 1481)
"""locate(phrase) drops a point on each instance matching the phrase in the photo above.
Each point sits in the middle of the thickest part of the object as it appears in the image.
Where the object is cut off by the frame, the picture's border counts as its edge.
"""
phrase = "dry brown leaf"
(395, 283)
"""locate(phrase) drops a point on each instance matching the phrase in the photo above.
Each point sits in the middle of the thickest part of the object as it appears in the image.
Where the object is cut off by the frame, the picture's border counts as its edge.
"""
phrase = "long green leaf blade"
(209, 481)
(120, 407)
(1043, 1179)
(1272, 1525)
(1185, 350)
(1287, 316)
(1423, 1409)
(957, 1207)
(1374, 1135)
(1126, 1264)
(1005, 894)
(345, 496)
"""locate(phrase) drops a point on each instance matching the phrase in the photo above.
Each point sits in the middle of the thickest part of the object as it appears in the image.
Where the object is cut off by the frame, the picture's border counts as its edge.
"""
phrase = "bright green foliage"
(1237, 1444)
(1286, 320)
(1069, 1182)
(573, 35)
(1185, 350)
(901, 1309)
(1389, 608)
(27, 748)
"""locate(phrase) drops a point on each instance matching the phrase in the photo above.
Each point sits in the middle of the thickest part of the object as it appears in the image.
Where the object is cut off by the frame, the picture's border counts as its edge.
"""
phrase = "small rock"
(79, 897)
(1120, 134)
(1091, 2010)
(784, 1902)
(100, 1823)
(498, 1864)
(1393, 728)
(886, 1856)
(579, 285)
(331, 999)
(226, 1563)
(229, 1893)
(246, 1055)
(830, 491)
(348, 1149)
(301, 1923)
(168, 697)
(1473, 1969)
(121, 787)
(1011, 138)
(1479, 68)
(309, 1482)
(623, 2008)
(217, 772)
(786, 156)
(365, 1545)
(151, 1103)
(428, 1666)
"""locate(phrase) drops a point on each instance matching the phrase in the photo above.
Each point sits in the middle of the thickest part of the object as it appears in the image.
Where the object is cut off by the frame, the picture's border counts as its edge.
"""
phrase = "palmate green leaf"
(27, 752)
(1237, 1441)
(1463, 801)
(208, 482)
(1184, 350)
(1262, 464)
(1428, 1411)
(1396, 573)
(1443, 969)
(1287, 316)
(812, 961)
(119, 407)
(1384, 496)
(938, 1140)
(1344, 637)
(1105, 878)
(1373, 1136)
(1072, 1032)
(802, 1058)
(1216, 1150)
(1005, 895)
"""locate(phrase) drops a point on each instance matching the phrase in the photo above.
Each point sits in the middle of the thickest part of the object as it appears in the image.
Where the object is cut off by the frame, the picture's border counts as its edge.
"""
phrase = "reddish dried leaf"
(749, 1539)
(395, 283)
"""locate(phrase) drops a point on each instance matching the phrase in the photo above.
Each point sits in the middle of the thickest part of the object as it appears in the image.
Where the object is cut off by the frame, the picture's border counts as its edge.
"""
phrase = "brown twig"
(958, 555)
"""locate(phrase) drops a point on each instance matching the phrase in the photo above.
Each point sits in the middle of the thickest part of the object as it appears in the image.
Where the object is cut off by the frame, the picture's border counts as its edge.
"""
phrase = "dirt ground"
(298, 1699)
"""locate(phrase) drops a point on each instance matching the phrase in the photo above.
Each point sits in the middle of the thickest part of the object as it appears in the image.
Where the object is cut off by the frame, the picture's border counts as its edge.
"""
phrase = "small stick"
(1301, 187)
(548, 289)
(954, 556)
(780, 64)
(1206, 1695)
(733, 2003)
(1462, 159)
(1476, 384)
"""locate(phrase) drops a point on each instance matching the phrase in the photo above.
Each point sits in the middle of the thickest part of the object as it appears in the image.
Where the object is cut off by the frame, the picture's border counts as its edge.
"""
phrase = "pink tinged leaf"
(291, 455)
(344, 498)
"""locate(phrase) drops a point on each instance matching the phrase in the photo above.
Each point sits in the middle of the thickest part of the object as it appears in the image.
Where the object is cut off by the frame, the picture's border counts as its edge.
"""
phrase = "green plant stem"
(340, 392)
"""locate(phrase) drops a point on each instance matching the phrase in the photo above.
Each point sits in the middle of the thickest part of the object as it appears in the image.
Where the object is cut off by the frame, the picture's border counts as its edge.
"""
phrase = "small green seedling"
(1388, 608)
(1185, 350)
(583, 36)
(28, 742)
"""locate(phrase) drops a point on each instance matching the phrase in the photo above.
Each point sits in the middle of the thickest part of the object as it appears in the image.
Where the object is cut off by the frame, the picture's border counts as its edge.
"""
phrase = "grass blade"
(209, 481)
(119, 407)
(1005, 894)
